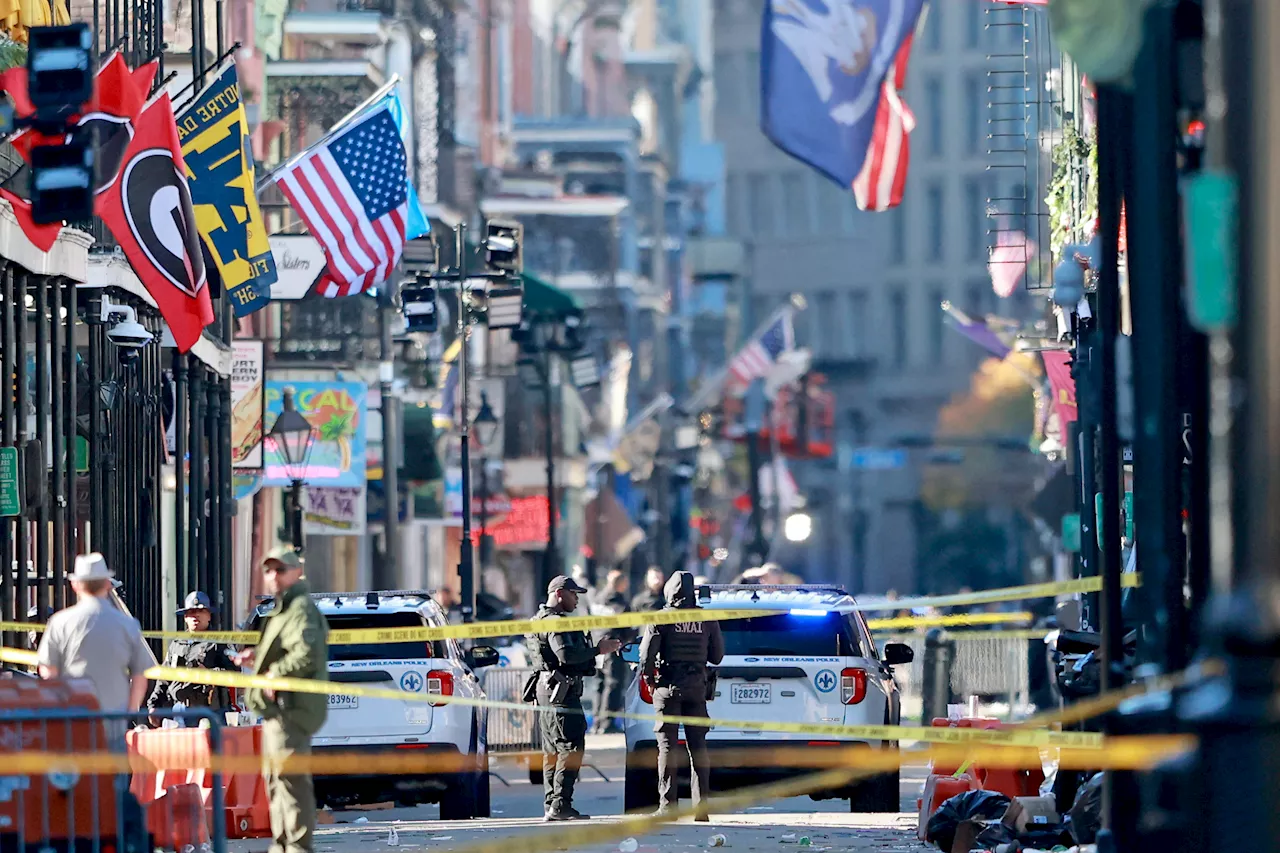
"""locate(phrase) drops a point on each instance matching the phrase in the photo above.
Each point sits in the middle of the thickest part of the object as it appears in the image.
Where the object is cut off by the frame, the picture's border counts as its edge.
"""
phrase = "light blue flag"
(416, 224)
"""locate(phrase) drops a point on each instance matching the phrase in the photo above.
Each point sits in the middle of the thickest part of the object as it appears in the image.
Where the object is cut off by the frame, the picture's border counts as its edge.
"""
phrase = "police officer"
(563, 660)
(193, 653)
(673, 662)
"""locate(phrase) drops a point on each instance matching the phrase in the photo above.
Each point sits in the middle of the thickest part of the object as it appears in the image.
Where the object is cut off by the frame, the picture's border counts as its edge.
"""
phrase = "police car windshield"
(790, 635)
(382, 651)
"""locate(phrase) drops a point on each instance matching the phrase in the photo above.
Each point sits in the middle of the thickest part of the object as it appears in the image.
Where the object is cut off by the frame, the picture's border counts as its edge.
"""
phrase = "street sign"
(1071, 532)
(82, 455)
(10, 482)
(873, 459)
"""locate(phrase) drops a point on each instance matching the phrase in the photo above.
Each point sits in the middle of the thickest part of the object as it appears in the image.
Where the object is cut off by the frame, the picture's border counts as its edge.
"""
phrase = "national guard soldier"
(193, 653)
(673, 662)
(563, 660)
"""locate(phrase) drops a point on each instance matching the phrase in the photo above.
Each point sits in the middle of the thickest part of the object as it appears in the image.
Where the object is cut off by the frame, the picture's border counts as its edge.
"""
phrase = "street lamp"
(486, 427)
(293, 437)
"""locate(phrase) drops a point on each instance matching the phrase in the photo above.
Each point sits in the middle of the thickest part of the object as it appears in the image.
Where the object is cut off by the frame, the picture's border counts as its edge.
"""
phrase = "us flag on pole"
(756, 359)
(351, 192)
(883, 179)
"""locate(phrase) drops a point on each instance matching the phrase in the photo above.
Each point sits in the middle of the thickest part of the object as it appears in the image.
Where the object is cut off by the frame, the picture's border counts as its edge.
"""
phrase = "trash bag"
(971, 805)
(1086, 811)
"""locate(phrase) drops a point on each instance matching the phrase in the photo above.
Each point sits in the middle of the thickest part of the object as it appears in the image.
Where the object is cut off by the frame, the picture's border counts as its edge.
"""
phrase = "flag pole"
(381, 93)
(709, 389)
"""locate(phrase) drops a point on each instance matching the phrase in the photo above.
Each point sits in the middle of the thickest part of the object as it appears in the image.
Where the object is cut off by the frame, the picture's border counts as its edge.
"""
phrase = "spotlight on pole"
(797, 527)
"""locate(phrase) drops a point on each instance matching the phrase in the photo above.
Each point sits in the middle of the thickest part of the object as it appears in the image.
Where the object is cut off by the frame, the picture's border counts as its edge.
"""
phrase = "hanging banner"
(215, 148)
(246, 404)
(1062, 385)
(333, 511)
(336, 411)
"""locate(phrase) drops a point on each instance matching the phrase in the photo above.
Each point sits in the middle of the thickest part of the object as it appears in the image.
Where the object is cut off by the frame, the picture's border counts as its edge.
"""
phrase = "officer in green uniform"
(562, 661)
(293, 645)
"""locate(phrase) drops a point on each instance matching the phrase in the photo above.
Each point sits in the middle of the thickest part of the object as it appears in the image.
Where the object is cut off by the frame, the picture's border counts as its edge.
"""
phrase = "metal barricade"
(994, 668)
(88, 802)
(510, 730)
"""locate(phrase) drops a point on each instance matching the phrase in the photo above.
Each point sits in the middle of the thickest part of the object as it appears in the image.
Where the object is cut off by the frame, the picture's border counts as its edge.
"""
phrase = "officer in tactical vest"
(563, 660)
(673, 663)
(196, 613)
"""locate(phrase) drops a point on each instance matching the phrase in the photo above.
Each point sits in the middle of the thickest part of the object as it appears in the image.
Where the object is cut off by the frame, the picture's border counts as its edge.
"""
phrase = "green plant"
(1073, 191)
(12, 54)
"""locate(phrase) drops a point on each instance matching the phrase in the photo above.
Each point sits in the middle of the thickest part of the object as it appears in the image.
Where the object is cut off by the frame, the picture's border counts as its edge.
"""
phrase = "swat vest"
(684, 644)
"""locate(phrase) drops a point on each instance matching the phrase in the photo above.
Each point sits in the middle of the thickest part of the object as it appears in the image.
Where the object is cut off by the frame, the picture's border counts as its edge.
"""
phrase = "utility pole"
(387, 574)
(753, 413)
(466, 563)
(550, 566)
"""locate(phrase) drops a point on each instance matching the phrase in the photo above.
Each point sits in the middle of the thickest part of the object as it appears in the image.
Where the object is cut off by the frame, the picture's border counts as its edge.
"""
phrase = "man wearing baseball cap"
(193, 653)
(562, 660)
(93, 640)
(294, 644)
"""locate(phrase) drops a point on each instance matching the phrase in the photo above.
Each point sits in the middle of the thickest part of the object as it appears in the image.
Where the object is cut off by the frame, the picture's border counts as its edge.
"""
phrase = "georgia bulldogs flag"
(148, 209)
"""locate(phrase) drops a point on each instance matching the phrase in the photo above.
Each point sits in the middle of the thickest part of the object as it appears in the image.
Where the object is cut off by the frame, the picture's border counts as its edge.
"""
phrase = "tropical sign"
(336, 411)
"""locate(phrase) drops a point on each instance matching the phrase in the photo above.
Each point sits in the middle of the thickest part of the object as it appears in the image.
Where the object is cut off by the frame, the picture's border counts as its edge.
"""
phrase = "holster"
(712, 678)
(559, 686)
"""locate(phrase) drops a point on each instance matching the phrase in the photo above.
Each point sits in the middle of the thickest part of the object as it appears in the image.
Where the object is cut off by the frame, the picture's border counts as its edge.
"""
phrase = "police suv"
(815, 662)
(361, 723)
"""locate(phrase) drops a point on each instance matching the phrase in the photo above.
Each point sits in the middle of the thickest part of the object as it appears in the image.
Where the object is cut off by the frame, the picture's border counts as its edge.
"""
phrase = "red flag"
(41, 236)
(149, 211)
(883, 179)
(1062, 385)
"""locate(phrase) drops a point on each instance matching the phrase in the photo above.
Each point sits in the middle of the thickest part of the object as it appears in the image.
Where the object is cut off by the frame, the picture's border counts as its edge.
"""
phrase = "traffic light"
(59, 69)
(502, 246)
(60, 78)
(62, 182)
(419, 301)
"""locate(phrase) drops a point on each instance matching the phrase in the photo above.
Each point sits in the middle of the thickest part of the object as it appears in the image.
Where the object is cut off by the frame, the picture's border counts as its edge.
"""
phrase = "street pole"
(753, 420)
(485, 541)
(294, 511)
(549, 567)
(466, 565)
(387, 574)
(1151, 182)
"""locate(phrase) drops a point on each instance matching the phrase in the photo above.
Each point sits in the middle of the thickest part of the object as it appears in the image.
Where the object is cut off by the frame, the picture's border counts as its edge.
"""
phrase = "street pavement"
(517, 810)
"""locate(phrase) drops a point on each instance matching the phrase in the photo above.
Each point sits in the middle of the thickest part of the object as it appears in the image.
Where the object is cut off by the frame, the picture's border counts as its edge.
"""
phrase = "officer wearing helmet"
(197, 613)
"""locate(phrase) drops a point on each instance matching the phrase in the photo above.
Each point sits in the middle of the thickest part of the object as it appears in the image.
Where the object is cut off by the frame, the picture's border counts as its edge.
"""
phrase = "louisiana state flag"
(214, 131)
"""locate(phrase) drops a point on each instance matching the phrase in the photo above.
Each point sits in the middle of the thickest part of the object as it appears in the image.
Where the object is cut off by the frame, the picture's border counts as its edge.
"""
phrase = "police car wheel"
(640, 789)
(879, 794)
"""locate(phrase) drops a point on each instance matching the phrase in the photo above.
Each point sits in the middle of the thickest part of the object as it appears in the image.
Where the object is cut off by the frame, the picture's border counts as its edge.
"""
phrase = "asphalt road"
(517, 811)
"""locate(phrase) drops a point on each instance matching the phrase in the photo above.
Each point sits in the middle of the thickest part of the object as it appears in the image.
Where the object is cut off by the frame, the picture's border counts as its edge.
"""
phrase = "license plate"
(343, 702)
(750, 694)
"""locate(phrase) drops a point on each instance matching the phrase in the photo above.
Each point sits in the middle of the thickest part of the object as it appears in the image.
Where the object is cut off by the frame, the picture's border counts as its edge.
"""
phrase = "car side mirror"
(482, 656)
(898, 653)
(630, 652)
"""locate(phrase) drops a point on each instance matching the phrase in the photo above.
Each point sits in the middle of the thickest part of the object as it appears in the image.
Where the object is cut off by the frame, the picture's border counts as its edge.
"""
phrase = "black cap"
(197, 601)
(560, 582)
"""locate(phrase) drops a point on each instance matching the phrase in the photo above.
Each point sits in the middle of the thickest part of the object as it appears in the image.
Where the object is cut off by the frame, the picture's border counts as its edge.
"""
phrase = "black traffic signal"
(502, 246)
(419, 304)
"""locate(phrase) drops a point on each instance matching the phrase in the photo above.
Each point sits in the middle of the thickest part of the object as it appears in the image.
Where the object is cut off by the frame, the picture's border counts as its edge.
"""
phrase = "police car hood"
(679, 590)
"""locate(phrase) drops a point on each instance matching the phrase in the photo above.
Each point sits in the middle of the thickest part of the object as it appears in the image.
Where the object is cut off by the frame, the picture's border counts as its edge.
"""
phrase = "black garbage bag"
(971, 805)
(1086, 811)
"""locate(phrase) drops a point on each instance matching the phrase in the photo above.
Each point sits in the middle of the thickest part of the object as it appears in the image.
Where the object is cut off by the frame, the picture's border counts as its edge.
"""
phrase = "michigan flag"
(215, 146)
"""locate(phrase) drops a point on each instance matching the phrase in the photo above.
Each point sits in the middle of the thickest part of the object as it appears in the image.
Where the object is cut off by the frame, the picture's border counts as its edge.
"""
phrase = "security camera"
(126, 333)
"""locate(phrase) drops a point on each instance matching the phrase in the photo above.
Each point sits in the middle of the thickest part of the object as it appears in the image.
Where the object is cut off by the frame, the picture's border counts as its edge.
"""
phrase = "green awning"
(544, 299)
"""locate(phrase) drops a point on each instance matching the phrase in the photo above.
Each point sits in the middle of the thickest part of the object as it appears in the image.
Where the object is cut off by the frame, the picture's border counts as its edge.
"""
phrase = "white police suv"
(375, 725)
(815, 662)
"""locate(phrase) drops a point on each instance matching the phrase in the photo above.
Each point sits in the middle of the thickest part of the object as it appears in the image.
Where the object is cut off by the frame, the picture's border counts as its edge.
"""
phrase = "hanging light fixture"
(293, 437)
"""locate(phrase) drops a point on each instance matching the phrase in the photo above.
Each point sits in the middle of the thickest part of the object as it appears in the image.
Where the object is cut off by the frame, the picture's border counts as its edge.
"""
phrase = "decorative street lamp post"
(294, 437)
(486, 430)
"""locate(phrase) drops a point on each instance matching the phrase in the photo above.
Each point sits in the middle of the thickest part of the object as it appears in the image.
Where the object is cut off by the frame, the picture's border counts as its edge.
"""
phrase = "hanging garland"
(1075, 165)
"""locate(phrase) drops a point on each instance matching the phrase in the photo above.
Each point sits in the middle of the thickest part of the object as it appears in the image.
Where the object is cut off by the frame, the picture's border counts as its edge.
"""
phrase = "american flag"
(351, 193)
(756, 359)
(883, 179)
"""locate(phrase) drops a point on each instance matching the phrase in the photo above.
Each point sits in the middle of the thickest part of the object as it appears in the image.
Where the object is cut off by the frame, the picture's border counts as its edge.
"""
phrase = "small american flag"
(756, 359)
(883, 179)
(351, 193)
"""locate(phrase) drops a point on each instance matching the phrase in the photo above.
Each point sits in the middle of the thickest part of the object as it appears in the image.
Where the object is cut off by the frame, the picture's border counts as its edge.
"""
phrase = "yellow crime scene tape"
(1130, 752)
(972, 636)
(1050, 589)
(564, 624)
(1009, 737)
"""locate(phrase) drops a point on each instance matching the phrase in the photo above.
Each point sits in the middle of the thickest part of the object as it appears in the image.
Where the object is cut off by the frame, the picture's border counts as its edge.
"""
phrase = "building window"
(727, 91)
(735, 202)
(856, 329)
(974, 23)
(976, 299)
(933, 27)
(795, 193)
(830, 340)
(933, 106)
(897, 236)
(750, 82)
(761, 202)
(975, 212)
(933, 323)
(898, 326)
(974, 104)
(935, 213)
